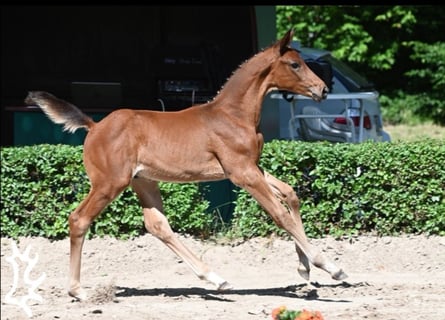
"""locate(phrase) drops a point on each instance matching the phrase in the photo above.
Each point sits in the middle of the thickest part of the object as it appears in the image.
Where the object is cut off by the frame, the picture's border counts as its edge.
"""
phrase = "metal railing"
(359, 96)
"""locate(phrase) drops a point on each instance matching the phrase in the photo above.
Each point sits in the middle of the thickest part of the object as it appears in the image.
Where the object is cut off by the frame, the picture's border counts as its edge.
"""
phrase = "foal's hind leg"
(156, 223)
(79, 222)
(285, 193)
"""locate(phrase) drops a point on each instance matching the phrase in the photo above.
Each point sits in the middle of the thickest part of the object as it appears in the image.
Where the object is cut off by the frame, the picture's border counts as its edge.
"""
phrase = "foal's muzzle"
(320, 96)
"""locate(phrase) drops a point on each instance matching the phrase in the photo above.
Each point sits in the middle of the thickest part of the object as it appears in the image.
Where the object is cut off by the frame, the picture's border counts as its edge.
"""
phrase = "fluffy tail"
(60, 111)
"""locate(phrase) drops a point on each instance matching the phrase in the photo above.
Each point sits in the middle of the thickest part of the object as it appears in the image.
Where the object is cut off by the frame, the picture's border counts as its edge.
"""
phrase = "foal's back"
(163, 146)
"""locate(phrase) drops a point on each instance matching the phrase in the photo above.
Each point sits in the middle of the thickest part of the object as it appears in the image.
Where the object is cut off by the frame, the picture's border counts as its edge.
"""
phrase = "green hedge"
(387, 188)
(42, 184)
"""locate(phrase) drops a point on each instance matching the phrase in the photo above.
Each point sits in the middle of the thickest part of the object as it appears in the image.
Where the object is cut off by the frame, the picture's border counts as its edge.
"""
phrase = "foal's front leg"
(285, 193)
(270, 192)
(156, 223)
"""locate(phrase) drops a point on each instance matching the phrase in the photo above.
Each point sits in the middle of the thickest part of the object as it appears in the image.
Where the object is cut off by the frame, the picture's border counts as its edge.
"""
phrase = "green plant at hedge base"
(344, 189)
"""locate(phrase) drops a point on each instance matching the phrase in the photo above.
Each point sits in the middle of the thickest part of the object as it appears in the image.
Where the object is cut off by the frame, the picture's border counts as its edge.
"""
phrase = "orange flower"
(318, 315)
(277, 311)
(309, 315)
(281, 313)
(304, 315)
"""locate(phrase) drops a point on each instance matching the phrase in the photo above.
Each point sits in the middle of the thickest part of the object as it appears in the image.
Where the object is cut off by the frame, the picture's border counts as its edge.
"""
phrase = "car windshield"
(351, 80)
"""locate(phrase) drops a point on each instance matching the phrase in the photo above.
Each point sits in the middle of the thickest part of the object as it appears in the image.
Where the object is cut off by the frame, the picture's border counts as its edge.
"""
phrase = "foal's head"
(291, 73)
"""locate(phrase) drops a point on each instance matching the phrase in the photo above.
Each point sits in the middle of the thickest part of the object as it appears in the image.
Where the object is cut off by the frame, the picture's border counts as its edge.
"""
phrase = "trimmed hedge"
(387, 188)
(42, 184)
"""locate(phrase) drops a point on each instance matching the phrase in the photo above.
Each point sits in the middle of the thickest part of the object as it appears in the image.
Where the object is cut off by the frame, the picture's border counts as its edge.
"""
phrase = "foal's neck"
(243, 94)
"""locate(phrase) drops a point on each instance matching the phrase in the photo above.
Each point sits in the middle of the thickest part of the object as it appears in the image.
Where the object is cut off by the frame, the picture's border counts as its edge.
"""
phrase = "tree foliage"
(399, 48)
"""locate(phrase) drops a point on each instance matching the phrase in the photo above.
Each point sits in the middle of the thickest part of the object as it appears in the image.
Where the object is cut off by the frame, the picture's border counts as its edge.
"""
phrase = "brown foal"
(213, 141)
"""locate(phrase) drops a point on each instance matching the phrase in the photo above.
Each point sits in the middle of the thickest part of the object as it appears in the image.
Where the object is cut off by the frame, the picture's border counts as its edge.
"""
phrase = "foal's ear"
(285, 41)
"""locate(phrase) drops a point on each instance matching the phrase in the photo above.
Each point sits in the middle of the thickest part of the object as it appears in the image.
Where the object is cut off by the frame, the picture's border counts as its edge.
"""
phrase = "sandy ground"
(389, 278)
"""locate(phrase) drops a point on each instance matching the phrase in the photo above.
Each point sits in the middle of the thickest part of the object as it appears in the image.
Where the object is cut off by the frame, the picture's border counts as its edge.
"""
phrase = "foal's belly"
(179, 172)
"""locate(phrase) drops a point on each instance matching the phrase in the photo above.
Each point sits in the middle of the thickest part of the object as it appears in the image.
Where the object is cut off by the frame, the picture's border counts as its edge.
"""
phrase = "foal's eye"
(294, 65)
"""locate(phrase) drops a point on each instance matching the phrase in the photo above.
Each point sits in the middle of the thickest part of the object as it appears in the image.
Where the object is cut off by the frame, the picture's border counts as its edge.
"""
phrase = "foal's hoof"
(79, 295)
(225, 286)
(339, 275)
(304, 273)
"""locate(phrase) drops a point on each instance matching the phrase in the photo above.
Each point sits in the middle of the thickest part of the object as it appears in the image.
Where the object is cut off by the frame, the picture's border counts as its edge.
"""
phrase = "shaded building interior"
(106, 57)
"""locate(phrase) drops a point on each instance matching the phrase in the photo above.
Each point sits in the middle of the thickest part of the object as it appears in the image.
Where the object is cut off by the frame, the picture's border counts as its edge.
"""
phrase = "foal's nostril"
(325, 92)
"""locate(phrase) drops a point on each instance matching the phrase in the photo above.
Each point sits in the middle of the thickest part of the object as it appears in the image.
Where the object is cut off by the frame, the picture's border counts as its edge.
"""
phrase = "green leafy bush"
(41, 185)
(387, 188)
